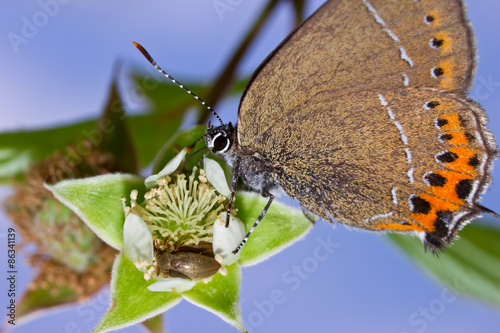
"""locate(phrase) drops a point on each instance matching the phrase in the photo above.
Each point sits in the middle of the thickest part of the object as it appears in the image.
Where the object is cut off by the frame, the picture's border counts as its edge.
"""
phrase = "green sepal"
(220, 296)
(97, 201)
(131, 301)
(280, 228)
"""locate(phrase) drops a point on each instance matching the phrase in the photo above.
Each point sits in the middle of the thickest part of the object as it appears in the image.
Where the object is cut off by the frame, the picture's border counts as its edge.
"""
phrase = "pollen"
(181, 209)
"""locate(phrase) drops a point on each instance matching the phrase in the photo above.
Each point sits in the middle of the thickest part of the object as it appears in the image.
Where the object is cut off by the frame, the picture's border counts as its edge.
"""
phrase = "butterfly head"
(220, 139)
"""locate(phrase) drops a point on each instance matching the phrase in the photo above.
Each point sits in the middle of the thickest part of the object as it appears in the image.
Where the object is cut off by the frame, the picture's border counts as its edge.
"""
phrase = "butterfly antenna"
(193, 155)
(159, 69)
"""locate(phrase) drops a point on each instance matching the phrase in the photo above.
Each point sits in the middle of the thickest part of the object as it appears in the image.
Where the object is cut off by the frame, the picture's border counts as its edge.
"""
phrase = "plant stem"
(299, 11)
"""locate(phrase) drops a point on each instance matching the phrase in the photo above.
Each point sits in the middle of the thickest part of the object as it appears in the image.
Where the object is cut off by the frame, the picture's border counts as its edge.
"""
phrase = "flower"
(174, 243)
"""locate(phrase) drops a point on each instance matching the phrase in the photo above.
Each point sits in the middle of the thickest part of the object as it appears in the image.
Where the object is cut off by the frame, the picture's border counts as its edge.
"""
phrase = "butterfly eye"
(220, 143)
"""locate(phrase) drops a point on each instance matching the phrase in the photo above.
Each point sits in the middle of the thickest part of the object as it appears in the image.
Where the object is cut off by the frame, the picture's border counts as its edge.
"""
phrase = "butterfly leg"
(236, 169)
(261, 216)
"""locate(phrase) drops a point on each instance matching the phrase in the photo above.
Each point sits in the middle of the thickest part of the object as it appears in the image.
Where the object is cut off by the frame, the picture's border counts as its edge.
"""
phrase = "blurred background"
(60, 72)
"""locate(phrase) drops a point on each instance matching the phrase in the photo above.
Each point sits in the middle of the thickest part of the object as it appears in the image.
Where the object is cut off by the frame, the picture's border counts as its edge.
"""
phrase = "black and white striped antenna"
(159, 69)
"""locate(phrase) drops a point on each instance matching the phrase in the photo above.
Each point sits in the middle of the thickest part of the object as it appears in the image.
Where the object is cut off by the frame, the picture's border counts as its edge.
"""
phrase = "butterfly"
(361, 114)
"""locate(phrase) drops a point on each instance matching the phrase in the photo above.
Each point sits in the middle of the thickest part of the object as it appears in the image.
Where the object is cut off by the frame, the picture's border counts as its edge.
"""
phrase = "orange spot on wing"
(458, 139)
(427, 220)
(447, 80)
(443, 105)
(461, 164)
(436, 16)
(447, 42)
(448, 191)
(454, 122)
(446, 65)
(399, 227)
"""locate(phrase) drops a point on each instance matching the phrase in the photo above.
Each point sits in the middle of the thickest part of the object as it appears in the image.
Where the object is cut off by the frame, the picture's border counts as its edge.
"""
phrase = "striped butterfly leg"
(261, 216)
(234, 184)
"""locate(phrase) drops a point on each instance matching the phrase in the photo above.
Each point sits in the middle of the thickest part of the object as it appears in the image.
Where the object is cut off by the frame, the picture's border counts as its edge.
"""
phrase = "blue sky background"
(62, 75)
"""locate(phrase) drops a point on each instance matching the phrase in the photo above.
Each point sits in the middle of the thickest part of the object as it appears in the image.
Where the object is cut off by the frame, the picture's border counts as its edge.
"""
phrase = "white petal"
(172, 284)
(137, 240)
(226, 240)
(216, 176)
(124, 206)
(167, 170)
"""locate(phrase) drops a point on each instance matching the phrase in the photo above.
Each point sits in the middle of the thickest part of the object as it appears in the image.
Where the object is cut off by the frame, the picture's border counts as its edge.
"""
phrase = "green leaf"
(151, 131)
(20, 149)
(281, 227)
(181, 140)
(169, 105)
(163, 94)
(237, 87)
(115, 133)
(470, 266)
(131, 301)
(220, 296)
(97, 201)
